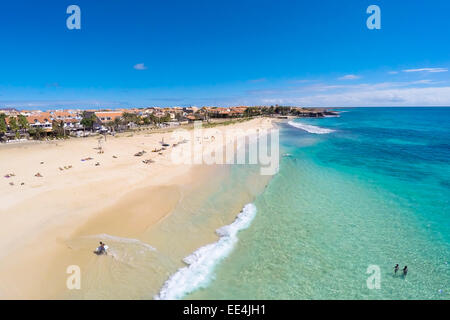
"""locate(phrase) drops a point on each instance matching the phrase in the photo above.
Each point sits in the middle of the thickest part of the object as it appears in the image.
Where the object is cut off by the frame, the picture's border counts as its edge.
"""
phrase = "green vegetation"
(147, 121)
(88, 120)
(14, 126)
(36, 133)
(131, 117)
(3, 127)
(22, 122)
(58, 129)
(224, 123)
(252, 111)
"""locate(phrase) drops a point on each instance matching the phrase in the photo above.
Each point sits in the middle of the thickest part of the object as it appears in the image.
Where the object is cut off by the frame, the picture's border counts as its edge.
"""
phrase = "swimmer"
(405, 271)
(396, 268)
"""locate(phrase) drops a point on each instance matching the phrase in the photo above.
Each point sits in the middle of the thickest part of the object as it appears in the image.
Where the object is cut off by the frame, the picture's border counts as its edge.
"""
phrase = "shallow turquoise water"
(373, 192)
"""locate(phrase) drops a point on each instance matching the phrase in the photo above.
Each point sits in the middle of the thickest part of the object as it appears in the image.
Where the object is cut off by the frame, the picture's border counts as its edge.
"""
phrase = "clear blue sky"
(315, 53)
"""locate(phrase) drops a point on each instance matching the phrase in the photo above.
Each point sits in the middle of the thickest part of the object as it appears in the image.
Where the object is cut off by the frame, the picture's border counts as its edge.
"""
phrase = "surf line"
(201, 263)
(310, 128)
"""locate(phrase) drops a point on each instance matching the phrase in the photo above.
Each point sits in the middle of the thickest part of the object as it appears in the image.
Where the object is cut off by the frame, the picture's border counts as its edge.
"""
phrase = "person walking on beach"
(396, 268)
(405, 271)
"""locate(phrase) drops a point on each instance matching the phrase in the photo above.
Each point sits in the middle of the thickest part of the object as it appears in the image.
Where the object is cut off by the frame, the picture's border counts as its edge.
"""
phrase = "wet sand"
(121, 196)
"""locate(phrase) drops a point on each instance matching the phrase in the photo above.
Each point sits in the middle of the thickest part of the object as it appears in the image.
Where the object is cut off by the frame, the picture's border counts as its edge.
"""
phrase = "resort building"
(43, 122)
(108, 116)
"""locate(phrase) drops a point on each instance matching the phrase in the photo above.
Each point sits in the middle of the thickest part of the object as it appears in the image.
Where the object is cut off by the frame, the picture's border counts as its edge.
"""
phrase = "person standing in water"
(396, 268)
(101, 249)
(405, 271)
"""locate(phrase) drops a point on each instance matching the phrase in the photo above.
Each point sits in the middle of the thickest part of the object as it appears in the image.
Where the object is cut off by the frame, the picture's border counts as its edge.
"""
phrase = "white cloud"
(393, 72)
(427, 70)
(140, 66)
(424, 81)
(349, 77)
(432, 96)
(326, 88)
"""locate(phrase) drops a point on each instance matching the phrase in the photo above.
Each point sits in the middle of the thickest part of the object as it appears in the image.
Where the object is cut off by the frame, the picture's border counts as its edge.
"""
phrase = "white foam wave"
(310, 128)
(201, 263)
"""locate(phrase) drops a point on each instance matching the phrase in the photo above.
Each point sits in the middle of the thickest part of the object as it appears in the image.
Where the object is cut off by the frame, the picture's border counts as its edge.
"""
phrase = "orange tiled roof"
(42, 114)
(108, 113)
(62, 114)
(70, 120)
(108, 116)
(40, 119)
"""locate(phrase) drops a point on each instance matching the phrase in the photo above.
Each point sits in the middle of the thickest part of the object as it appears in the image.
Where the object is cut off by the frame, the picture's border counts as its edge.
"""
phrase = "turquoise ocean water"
(370, 187)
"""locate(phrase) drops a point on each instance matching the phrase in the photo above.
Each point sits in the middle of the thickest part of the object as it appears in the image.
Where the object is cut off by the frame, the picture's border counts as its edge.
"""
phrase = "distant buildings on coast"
(36, 124)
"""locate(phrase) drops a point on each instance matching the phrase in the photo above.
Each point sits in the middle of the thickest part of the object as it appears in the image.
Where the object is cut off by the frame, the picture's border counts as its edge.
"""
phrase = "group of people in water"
(405, 270)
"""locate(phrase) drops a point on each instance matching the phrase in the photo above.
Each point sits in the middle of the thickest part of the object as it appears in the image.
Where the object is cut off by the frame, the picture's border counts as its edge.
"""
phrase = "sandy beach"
(55, 191)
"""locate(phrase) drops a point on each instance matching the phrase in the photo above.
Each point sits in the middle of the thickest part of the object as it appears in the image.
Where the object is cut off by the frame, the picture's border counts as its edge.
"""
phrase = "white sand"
(36, 217)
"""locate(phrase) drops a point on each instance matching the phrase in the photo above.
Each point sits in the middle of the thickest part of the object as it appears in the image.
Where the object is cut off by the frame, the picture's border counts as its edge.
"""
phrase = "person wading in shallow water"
(396, 268)
(405, 271)
(101, 249)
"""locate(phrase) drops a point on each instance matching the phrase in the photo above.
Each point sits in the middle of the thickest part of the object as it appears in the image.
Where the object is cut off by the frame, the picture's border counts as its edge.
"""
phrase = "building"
(108, 116)
(38, 121)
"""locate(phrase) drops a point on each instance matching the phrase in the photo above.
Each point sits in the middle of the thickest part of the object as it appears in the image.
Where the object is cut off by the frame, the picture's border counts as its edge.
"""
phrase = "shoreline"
(39, 217)
(202, 262)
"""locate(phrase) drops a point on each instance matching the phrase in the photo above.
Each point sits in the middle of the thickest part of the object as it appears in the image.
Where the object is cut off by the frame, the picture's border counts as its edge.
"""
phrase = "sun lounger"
(139, 154)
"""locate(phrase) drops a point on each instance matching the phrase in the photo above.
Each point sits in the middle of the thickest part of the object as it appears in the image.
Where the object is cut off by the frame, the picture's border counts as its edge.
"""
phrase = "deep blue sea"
(368, 188)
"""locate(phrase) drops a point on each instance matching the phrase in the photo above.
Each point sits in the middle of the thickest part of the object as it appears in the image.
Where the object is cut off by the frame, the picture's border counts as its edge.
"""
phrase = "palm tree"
(116, 123)
(3, 127)
(88, 120)
(14, 126)
(58, 128)
(37, 132)
(23, 123)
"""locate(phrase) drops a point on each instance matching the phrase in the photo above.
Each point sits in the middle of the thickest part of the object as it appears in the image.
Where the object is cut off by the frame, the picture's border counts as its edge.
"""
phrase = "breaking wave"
(310, 128)
(201, 263)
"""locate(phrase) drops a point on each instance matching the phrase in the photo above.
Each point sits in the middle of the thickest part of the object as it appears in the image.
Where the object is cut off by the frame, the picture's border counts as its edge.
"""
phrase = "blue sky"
(147, 53)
